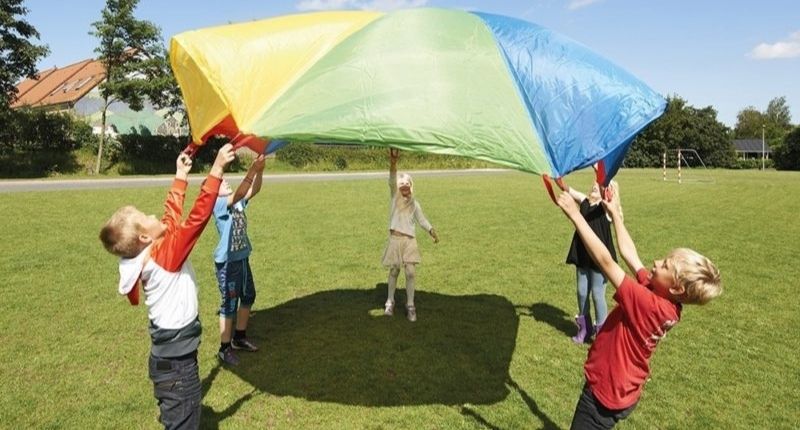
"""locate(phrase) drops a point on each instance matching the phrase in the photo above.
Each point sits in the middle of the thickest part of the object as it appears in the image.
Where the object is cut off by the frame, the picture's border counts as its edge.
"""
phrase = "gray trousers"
(176, 386)
(590, 414)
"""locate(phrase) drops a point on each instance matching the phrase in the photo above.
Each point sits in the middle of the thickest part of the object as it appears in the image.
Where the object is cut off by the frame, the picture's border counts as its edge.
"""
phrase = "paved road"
(10, 186)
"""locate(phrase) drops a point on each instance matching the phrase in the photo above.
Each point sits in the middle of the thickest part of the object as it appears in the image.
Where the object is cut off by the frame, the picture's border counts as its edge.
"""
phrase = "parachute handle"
(192, 148)
(549, 186)
(600, 178)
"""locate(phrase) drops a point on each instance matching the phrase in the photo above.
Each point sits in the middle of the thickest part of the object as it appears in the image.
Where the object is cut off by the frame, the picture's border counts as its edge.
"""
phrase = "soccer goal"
(683, 160)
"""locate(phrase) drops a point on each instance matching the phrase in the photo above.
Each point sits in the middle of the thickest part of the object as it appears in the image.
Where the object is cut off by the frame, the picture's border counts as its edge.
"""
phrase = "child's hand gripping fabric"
(568, 205)
(183, 165)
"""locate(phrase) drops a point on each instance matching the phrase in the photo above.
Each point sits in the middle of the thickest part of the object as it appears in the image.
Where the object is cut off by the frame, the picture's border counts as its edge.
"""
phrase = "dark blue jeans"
(176, 386)
(590, 414)
(236, 286)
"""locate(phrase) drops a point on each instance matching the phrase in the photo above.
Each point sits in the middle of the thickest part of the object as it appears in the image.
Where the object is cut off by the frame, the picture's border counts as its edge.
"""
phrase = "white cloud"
(384, 5)
(788, 48)
(577, 4)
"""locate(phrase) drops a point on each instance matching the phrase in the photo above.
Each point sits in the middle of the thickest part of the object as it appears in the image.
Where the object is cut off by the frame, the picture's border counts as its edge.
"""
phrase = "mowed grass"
(491, 348)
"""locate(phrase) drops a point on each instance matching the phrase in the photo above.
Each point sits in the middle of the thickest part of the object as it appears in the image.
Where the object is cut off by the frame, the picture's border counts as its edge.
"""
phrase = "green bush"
(307, 156)
(787, 155)
(35, 143)
(30, 130)
(149, 154)
(752, 163)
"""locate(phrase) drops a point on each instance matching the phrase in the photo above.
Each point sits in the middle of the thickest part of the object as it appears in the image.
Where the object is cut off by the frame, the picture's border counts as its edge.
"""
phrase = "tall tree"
(787, 155)
(18, 55)
(748, 123)
(134, 58)
(778, 114)
(683, 127)
(774, 122)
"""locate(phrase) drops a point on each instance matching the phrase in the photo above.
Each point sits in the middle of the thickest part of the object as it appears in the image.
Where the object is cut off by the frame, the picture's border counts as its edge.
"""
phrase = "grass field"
(495, 300)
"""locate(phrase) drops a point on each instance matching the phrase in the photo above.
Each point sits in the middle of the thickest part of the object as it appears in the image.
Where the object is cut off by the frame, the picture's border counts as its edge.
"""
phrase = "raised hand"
(568, 205)
(183, 164)
(224, 157)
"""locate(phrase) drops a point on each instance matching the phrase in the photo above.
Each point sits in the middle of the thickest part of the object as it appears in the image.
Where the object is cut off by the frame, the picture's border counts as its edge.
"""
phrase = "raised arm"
(394, 155)
(251, 184)
(627, 248)
(597, 250)
(177, 246)
(576, 195)
(173, 206)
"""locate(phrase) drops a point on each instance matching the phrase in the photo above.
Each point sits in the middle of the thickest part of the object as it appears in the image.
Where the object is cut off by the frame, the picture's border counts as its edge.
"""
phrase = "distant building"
(751, 148)
(74, 89)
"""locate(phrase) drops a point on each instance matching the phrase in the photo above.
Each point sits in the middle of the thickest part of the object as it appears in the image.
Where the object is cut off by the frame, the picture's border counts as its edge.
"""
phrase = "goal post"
(680, 157)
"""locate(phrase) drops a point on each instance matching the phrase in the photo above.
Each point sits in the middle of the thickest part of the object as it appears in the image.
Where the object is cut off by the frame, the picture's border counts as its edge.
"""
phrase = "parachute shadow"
(554, 316)
(211, 418)
(337, 346)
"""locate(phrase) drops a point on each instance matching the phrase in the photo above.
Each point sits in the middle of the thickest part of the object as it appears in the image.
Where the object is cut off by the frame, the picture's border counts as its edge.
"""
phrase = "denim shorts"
(176, 386)
(236, 286)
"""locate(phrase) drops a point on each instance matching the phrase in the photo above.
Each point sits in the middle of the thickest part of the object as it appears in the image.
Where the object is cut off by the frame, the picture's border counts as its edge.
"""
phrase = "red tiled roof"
(56, 86)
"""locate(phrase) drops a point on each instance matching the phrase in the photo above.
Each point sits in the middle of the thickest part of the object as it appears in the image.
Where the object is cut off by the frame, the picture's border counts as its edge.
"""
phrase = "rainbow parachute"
(433, 80)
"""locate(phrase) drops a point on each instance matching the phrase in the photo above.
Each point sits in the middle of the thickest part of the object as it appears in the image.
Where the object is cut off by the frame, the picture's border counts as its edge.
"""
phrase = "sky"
(728, 54)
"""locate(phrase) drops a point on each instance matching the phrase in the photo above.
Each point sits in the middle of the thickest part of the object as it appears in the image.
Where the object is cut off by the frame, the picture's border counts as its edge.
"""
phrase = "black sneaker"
(244, 344)
(228, 357)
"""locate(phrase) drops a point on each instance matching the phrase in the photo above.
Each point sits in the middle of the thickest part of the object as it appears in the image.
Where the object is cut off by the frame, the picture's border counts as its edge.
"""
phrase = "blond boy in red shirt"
(647, 307)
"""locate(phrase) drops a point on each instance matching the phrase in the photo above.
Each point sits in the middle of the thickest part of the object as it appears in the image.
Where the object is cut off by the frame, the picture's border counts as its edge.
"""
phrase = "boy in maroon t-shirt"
(647, 307)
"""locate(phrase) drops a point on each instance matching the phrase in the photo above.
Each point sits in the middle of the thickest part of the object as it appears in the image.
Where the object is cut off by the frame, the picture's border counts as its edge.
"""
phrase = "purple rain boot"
(584, 329)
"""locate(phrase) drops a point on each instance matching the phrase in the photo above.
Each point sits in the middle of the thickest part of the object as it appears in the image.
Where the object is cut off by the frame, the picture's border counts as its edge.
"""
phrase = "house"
(74, 89)
(751, 148)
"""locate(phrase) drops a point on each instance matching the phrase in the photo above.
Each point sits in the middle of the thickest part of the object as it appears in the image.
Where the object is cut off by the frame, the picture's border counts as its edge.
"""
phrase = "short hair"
(120, 235)
(698, 276)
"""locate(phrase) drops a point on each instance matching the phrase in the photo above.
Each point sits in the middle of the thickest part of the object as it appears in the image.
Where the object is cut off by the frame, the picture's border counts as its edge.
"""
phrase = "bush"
(300, 154)
(148, 154)
(752, 163)
(357, 157)
(787, 155)
(30, 130)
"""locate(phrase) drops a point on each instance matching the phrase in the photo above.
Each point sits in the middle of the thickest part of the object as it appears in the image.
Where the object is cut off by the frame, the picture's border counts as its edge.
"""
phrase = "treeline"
(686, 127)
(38, 144)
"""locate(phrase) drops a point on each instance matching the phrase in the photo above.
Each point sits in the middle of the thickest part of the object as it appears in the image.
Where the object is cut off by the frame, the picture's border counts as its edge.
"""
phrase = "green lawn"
(495, 300)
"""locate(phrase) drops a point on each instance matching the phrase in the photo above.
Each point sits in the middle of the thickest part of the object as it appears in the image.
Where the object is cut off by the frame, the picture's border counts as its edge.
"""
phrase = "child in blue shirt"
(232, 263)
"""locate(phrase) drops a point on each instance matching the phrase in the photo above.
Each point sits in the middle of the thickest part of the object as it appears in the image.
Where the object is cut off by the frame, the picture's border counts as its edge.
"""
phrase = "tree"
(778, 114)
(134, 58)
(774, 122)
(18, 56)
(683, 126)
(748, 123)
(787, 156)
(171, 98)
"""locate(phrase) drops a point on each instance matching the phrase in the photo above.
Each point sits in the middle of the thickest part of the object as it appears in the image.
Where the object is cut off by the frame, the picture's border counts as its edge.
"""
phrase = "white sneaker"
(411, 313)
(388, 310)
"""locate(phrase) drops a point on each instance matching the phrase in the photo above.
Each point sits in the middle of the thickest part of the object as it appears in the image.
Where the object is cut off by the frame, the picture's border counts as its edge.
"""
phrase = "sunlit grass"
(491, 348)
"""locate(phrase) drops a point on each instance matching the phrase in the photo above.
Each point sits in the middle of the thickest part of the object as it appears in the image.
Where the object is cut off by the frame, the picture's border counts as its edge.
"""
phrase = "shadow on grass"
(337, 346)
(547, 423)
(552, 315)
(210, 418)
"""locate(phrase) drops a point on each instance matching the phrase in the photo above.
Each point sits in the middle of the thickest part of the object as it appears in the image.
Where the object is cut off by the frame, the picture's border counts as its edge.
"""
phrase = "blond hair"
(698, 276)
(120, 235)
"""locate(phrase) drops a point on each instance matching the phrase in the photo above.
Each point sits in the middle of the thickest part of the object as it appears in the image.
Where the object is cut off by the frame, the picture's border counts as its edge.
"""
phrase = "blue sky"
(727, 54)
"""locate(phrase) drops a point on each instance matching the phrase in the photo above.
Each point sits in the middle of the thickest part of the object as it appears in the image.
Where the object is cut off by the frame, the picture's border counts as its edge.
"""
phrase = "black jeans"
(176, 386)
(590, 414)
